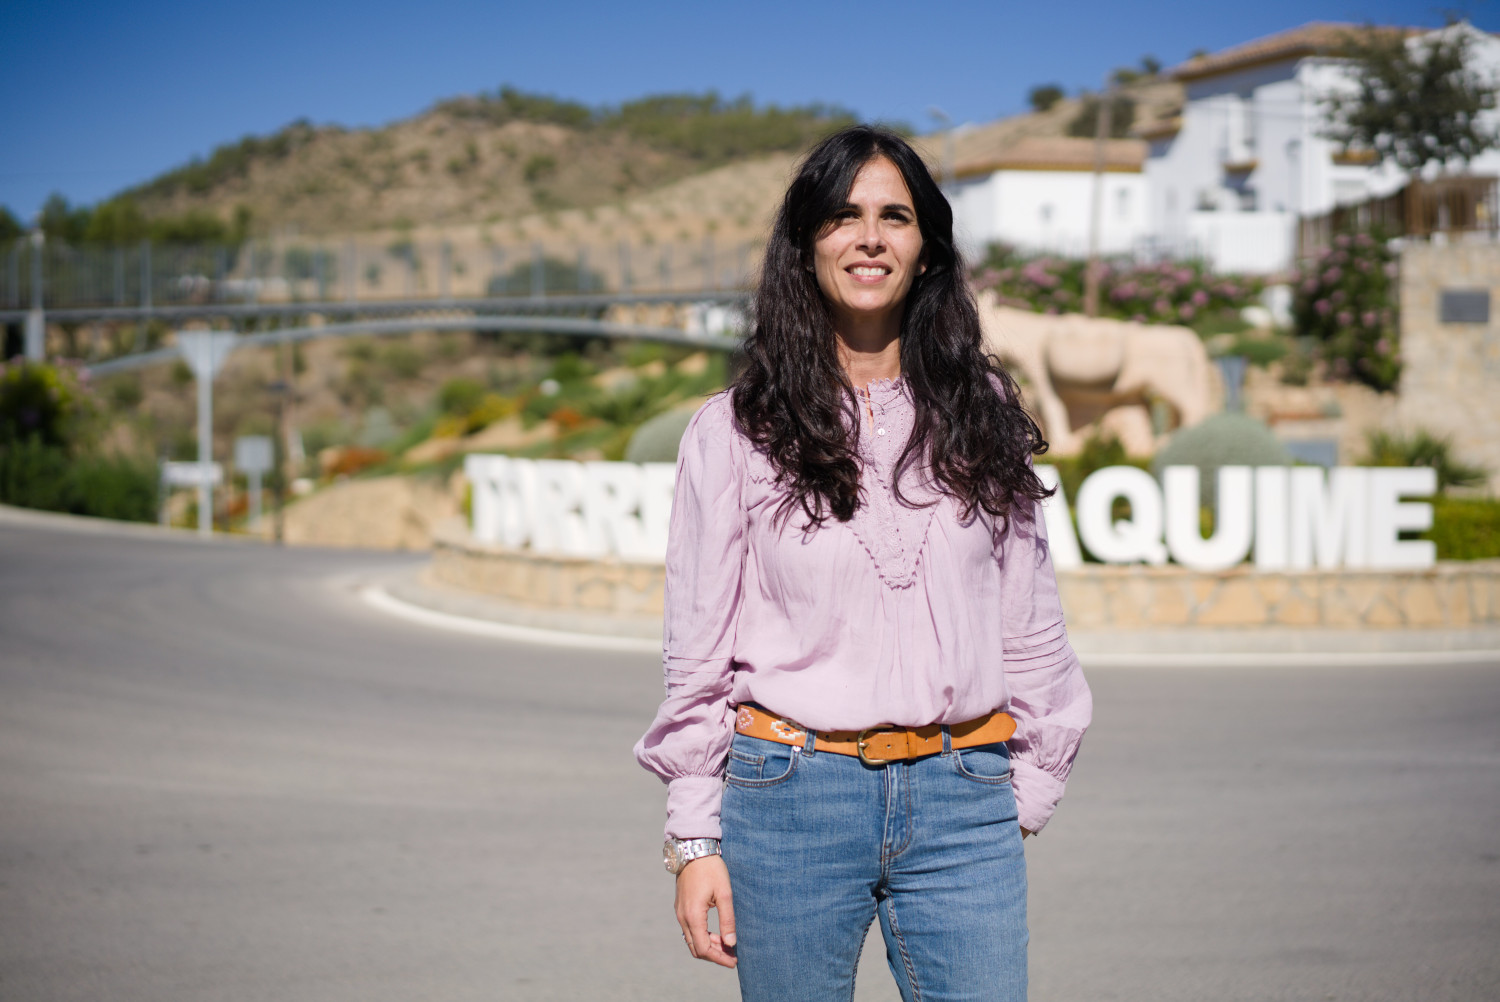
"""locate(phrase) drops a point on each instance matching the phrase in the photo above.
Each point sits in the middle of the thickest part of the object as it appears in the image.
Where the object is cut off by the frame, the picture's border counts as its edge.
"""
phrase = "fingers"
(726, 918)
(699, 889)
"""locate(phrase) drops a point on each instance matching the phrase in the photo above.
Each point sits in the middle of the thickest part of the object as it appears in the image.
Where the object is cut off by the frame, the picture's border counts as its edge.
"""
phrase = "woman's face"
(867, 256)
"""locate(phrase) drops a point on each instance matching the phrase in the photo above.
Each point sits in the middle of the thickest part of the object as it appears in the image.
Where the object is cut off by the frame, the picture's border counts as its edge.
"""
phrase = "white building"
(1037, 195)
(1230, 175)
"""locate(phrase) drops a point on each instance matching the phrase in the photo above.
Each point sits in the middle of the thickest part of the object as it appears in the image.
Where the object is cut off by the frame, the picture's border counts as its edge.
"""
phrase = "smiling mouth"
(868, 271)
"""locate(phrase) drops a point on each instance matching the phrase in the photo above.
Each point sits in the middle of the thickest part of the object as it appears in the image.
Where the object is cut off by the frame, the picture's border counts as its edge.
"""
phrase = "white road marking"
(377, 597)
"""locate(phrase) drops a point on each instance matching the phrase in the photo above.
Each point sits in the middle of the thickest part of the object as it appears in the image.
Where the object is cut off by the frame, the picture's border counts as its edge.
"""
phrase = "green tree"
(1044, 96)
(10, 226)
(1121, 117)
(116, 222)
(64, 222)
(1414, 103)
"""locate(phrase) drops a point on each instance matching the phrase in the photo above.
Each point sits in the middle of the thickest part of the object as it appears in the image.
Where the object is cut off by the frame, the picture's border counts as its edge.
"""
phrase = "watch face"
(670, 857)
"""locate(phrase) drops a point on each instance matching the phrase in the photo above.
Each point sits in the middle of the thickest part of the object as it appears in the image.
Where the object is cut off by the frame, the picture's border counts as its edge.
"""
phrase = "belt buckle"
(859, 744)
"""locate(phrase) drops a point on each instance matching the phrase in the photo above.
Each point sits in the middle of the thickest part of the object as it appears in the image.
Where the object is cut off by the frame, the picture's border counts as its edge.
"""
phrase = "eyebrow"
(889, 205)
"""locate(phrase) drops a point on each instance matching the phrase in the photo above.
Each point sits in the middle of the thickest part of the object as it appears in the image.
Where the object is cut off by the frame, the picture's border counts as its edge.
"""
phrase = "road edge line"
(377, 597)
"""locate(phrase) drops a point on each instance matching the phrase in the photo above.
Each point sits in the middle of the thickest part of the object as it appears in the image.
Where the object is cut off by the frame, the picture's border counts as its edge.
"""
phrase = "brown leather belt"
(877, 745)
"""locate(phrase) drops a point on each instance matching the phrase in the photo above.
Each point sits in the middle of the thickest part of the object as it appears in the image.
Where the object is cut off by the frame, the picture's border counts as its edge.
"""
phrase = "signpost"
(254, 455)
(205, 353)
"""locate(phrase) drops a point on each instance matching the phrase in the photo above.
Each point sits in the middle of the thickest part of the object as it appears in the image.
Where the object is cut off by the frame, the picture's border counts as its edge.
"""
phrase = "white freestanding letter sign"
(1122, 542)
(1327, 523)
(1389, 517)
(1062, 541)
(1270, 518)
(1232, 526)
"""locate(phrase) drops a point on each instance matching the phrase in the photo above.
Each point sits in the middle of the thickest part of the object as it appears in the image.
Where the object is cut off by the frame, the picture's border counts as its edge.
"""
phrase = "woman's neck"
(871, 350)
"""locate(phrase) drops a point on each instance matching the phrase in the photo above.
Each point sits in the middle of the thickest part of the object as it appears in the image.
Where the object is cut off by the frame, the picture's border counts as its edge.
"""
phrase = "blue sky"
(98, 96)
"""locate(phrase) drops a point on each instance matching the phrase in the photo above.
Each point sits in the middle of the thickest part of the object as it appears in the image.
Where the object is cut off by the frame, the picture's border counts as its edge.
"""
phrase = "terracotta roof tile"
(1053, 153)
(1311, 39)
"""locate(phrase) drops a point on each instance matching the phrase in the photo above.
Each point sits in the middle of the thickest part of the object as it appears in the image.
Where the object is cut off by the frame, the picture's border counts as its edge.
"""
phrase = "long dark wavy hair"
(793, 398)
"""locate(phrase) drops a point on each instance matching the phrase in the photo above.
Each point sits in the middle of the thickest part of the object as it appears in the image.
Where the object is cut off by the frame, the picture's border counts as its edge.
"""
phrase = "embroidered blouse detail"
(892, 532)
(907, 614)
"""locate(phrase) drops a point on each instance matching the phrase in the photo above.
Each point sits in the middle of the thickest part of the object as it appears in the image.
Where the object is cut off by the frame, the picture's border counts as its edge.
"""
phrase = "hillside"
(508, 167)
(476, 159)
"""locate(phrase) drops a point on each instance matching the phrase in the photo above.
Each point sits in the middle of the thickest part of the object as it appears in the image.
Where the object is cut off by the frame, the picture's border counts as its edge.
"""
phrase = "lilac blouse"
(902, 615)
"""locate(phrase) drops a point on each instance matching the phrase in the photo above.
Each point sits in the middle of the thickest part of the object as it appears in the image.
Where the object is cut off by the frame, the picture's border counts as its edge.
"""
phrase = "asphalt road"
(223, 777)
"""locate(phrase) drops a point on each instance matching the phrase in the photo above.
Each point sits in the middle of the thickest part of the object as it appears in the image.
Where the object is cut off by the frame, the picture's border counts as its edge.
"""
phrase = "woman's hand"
(704, 884)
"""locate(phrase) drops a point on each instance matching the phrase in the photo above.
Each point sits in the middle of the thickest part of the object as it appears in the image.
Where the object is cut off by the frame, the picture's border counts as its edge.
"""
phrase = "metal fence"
(57, 276)
(1465, 205)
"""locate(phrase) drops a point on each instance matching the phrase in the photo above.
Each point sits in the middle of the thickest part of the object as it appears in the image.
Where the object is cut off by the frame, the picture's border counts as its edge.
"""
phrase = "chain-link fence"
(58, 276)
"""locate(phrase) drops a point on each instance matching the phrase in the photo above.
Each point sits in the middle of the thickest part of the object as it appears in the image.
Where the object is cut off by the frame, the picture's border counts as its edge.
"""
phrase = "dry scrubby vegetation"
(485, 157)
(371, 406)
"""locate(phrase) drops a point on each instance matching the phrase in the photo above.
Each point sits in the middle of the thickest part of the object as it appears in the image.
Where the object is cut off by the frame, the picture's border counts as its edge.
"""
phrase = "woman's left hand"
(703, 885)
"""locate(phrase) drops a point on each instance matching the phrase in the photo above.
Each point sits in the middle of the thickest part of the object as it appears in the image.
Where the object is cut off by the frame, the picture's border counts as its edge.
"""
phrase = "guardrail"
(39, 274)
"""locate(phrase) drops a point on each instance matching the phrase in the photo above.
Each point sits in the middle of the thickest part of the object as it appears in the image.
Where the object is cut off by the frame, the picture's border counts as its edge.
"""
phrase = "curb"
(377, 597)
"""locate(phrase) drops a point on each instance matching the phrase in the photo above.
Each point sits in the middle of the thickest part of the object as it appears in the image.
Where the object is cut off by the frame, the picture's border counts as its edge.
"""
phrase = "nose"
(870, 238)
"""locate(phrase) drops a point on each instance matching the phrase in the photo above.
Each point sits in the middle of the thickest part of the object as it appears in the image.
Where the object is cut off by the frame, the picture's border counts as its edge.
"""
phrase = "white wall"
(1049, 211)
(1275, 116)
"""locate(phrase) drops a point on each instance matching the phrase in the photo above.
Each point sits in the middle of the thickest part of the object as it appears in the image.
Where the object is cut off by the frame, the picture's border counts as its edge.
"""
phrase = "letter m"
(1327, 523)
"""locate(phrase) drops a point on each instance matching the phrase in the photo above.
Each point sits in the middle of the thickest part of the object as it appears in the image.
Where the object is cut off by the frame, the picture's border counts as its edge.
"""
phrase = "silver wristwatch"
(679, 852)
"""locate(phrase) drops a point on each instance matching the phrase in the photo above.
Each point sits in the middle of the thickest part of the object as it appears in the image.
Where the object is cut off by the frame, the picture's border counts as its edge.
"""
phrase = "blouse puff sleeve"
(1049, 699)
(689, 740)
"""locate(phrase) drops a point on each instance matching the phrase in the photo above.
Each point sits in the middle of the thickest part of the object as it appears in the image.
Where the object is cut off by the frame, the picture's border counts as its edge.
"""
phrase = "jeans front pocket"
(755, 762)
(744, 765)
(984, 763)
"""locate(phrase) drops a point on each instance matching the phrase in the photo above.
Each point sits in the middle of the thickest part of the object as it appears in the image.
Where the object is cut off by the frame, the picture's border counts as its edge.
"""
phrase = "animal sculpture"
(1084, 373)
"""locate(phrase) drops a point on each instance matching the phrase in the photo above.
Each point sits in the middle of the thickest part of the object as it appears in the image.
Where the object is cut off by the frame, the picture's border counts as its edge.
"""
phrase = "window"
(1122, 203)
(1046, 213)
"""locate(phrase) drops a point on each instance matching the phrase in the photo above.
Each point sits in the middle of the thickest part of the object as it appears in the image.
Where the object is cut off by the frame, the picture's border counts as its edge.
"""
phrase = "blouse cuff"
(1037, 794)
(693, 806)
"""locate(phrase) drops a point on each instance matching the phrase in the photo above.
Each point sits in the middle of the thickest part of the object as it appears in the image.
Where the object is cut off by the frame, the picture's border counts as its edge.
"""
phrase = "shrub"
(1222, 440)
(44, 403)
(1422, 448)
(402, 360)
(1346, 300)
(1044, 96)
(492, 407)
(1465, 528)
(1098, 452)
(657, 440)
(352, 459)
(558, 275)
(36, 475)
(460, 396)
(1167, 292)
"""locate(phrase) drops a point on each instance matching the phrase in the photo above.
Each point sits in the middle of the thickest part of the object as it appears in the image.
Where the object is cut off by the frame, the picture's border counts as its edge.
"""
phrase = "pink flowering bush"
(1346, 300)
(1170, 292)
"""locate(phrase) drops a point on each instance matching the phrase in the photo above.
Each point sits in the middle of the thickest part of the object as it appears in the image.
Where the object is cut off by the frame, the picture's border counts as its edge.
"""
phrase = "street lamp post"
(36, 317)
(1096, 213)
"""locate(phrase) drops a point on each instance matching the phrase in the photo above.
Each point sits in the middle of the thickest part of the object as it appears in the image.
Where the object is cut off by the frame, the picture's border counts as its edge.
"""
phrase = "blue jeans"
(818, 844)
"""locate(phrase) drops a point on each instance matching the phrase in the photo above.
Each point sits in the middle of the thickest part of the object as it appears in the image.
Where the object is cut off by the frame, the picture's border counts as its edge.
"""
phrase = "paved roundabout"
(225, 776)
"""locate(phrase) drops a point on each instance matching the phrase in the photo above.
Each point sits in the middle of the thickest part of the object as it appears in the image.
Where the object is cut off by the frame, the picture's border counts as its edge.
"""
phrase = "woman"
(860, 611)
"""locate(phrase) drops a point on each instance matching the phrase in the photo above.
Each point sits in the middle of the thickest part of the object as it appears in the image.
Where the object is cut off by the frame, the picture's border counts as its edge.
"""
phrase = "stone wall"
(1454, 594)
(602, 587)
(1095, 597)
(1450, 382)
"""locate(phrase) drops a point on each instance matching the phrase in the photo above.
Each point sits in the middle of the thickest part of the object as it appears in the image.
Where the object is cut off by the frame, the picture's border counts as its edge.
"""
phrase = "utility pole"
(946, 167)
(36, 317)
(205, 352)
(281, 387)
(1096, 214)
